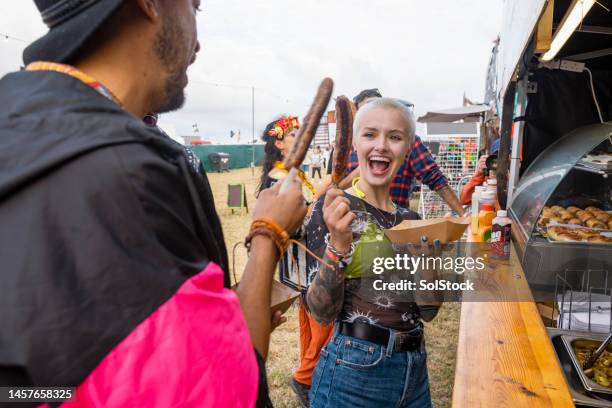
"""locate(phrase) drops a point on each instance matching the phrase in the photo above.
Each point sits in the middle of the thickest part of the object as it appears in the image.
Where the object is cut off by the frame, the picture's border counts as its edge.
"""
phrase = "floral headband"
(283, 127)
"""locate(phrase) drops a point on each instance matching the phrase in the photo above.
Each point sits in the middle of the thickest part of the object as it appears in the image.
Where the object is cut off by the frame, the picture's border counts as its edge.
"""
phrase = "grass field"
(441, 334)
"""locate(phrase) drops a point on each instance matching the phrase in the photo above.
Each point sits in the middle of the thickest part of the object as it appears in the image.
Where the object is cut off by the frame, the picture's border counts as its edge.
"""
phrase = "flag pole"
(253, 128)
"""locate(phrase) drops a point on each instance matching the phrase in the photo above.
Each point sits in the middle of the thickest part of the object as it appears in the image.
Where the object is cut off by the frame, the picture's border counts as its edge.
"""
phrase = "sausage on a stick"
(306, 133)
(311, 123)
(344, 138)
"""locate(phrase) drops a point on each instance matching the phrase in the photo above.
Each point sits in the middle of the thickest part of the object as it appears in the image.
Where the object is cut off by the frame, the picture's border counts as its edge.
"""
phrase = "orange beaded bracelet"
(270, 229)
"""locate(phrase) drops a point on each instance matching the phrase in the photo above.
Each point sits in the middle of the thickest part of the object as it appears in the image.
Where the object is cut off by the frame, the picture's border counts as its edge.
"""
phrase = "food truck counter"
(504, 356)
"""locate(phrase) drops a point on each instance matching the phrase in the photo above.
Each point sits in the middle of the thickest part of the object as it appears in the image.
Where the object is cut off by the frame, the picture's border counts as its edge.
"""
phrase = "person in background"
(330, 159)
(326, 154)
(121, 277)
(151, 119)
(418, 164)
(316, 161)
(365, 96)
(480, 175)
(279, 136)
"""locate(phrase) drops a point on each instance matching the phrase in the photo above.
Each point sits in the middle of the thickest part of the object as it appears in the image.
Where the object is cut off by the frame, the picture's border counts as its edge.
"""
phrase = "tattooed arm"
(326, 292)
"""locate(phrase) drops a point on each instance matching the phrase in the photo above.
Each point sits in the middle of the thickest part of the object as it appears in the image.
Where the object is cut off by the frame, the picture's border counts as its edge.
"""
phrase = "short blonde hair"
(387, 103)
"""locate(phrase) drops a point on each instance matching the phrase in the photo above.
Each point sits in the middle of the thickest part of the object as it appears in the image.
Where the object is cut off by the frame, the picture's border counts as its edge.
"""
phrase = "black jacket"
(101, 220)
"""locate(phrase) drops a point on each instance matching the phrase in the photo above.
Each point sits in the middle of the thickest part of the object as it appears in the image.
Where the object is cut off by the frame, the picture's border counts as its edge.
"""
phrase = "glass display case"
(551, 167)
(560, 176)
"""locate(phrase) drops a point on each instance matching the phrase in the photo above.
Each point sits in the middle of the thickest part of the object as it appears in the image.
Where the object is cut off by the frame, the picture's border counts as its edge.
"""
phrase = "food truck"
(552, 91)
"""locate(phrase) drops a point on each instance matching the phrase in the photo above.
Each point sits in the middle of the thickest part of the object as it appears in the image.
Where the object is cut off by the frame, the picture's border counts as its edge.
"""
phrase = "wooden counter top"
(504, 355)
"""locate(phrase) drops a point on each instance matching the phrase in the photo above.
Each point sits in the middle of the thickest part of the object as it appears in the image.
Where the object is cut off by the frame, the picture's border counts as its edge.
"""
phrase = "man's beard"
(175, 94)
(168, 50)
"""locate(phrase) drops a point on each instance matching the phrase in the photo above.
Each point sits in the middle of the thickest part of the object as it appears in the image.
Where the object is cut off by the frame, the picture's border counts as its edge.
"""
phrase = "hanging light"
(572, 19)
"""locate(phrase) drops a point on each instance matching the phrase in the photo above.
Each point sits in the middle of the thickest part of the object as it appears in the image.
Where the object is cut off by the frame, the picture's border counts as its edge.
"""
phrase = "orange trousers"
(313, 337)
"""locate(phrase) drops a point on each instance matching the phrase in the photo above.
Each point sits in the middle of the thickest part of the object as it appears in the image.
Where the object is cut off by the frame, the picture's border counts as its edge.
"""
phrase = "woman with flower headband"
(376, 356)
(279, 136)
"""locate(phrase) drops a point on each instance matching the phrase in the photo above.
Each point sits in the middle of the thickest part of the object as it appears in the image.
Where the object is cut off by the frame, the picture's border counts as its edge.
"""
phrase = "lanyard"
(104, 91)
(75, 73)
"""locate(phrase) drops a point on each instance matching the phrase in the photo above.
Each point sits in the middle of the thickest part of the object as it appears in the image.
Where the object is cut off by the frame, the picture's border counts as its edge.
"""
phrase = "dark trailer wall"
(241, 156)
(541, 105)
(561, 101)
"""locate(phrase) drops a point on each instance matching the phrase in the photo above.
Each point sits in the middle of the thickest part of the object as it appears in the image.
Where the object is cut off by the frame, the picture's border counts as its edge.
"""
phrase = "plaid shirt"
(419, 164)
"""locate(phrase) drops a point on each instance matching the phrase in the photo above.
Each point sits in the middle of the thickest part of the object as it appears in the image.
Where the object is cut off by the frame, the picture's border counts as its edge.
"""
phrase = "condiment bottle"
(492, 186)
(475, 199)
(485, 220)
(486, 197)
(501, 235)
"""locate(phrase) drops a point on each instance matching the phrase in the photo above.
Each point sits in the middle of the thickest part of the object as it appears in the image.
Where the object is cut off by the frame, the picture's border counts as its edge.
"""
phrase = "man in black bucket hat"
(147, 44)
(71, 24)
(112, 255)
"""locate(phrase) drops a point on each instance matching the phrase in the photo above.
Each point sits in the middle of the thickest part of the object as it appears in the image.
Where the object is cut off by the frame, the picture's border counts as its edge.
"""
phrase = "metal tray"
(604, 232)
(581, 397)
(599, 165)
(589, 385)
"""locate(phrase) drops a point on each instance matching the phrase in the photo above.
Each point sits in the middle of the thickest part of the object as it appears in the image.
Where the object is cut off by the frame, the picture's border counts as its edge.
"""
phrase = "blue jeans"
(357, 373)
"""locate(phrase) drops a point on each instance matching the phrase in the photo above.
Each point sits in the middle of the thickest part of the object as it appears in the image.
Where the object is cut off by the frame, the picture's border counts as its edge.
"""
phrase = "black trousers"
(318, 170)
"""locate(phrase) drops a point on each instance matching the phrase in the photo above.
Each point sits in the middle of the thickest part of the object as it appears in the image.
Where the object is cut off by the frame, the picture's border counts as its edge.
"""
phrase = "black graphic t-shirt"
(362, 303)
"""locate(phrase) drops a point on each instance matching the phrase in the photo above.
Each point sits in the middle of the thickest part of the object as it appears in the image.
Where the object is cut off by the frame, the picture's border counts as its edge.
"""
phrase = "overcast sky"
(426, 51)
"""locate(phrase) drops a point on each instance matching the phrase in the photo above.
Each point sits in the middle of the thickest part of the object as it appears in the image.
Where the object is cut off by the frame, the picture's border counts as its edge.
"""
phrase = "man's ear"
(150, 9)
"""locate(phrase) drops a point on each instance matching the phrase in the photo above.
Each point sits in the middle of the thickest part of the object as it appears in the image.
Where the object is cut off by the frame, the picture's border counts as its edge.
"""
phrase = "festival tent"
(471, 113)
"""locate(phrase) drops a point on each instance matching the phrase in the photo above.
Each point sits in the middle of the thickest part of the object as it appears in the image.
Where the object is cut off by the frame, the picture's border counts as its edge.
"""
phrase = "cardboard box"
(282, 297)
(444, 229)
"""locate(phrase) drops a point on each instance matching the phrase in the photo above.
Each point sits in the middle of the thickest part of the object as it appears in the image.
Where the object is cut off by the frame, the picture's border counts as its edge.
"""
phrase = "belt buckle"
(404, 341)
(400, 339)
